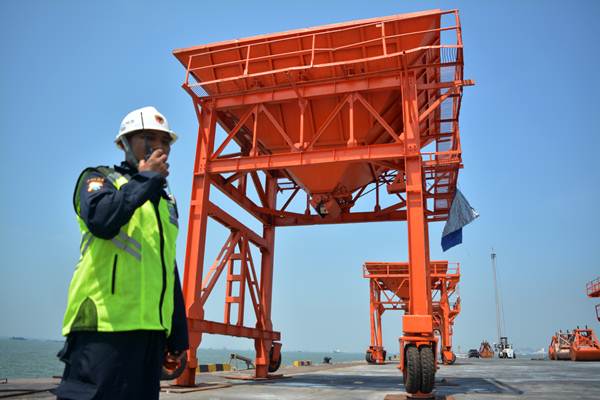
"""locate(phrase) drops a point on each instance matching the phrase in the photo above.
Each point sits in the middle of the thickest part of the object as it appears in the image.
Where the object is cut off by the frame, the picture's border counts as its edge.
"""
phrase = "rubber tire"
(427, 369)
(274, 364)
(369, 357)
(450, 361)
(169, 375)
(412, 370)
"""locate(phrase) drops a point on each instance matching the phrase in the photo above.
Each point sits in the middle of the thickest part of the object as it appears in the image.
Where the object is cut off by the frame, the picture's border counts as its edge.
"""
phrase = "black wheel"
(274, 364)
(412, 370)
(427, 369)
(169, 373)
(450, 361)
(369, 357)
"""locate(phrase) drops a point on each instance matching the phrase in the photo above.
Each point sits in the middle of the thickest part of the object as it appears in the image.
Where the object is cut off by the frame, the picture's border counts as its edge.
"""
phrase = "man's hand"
(173, 360)
(157, 162)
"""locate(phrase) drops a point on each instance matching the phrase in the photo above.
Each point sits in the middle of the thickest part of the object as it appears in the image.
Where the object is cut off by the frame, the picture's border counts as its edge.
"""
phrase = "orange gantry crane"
(389, 290)
(316, 122)
(593, 290)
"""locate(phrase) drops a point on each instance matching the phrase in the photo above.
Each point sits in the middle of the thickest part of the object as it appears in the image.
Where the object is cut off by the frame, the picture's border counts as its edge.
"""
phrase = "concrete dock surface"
(467, 379)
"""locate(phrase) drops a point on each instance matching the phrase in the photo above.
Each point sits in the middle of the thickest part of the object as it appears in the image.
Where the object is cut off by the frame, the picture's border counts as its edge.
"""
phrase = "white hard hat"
(145, 118)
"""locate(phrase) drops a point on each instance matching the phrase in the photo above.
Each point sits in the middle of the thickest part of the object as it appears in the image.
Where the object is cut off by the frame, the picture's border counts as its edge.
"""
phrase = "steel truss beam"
(376, 152)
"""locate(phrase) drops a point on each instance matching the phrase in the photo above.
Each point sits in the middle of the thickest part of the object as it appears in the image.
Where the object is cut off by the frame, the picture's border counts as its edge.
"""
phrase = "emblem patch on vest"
(95, 184)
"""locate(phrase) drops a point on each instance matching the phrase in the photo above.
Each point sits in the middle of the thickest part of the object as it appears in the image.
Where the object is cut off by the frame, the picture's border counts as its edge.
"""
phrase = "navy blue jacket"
(104, 209)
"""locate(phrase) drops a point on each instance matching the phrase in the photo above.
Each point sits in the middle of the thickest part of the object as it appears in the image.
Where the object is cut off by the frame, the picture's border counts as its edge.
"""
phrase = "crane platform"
(593, 290)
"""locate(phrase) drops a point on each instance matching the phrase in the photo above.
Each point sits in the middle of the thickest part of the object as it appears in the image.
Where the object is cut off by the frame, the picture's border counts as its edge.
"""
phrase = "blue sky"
(71, 70)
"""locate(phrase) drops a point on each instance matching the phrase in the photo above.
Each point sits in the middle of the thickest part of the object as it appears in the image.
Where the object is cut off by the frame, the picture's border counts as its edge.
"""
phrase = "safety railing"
(374, 270)
(390, 270)
(593, 288)
(251, 62)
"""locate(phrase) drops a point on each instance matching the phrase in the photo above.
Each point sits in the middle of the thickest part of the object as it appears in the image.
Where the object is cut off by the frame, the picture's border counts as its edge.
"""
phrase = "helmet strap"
(129, 156)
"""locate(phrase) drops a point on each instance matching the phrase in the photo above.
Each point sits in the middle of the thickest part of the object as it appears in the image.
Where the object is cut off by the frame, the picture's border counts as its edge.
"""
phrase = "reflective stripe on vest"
(125, 283)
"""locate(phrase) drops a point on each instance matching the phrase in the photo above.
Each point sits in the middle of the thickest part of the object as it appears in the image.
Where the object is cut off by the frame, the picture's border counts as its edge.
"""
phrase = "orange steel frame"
(388, 289)
(445, 311)
(412, 176)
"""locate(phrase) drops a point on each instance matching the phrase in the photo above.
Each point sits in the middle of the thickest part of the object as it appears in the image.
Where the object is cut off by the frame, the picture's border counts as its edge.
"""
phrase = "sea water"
(34, 358)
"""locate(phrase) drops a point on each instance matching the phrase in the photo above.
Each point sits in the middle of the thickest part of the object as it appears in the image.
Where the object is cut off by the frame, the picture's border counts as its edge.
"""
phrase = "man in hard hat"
(125, 315)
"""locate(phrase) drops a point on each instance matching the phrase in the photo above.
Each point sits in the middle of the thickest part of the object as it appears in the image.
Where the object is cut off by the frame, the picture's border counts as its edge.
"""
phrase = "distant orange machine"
(578, 345)
(585, 345)
(485, 350)
(351, 122)
(560, 346)
(389, 290)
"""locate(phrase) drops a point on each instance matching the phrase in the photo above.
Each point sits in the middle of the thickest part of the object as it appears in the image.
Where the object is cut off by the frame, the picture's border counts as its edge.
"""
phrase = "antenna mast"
(498, 310)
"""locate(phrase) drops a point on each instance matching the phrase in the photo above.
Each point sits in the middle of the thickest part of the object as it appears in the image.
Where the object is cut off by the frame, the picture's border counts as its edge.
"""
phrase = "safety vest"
(125, 283)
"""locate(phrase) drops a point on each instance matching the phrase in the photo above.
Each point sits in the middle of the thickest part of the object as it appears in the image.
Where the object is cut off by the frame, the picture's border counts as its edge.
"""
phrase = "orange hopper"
(344, 123)
(585, 345)
(560, 346)
(485, 350)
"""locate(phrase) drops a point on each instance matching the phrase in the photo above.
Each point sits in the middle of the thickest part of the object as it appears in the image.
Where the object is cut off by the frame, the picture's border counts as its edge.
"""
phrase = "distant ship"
(337, 351)
(17, 338)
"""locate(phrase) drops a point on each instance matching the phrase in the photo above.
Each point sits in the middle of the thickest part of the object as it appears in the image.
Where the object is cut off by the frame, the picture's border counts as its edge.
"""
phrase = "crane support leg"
(448, 355)
(375, 353)
(195, 244)
(417, 345)
(268, 355)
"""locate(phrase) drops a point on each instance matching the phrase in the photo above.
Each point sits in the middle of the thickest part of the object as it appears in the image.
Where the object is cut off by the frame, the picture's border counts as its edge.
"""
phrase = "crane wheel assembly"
(275, 357)
(419, 369)
(448, 357)
(375, 355)
(412, 370)
(428, 368)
